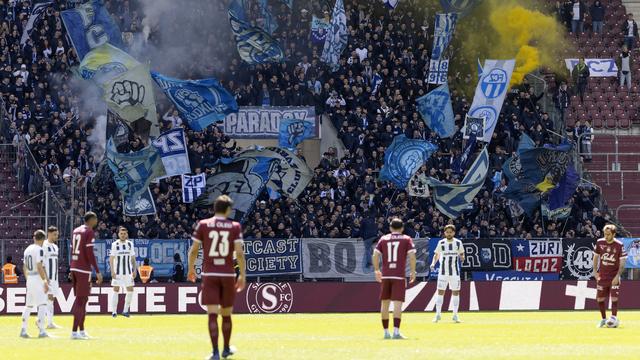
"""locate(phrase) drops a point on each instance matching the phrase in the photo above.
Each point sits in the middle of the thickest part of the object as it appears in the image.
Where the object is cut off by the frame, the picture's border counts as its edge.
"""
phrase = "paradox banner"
(252, 122)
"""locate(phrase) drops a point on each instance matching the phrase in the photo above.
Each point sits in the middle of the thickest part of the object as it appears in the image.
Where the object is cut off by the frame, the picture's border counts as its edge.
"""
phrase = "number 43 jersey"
(218, 237)
(393, 249)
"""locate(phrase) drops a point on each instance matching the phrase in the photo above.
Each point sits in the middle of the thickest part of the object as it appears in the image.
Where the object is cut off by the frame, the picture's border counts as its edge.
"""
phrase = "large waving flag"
(452, 199)
(105, 62)
(442, 32)
(403, 158)
(459, 6)
(200, 102)
(130, 96)
(255, 46)
(89, 26)
(437, 112)
(337, 37)
(37, 13)
(565, 189)
(294, 131)
(490, 94)
(269, 22)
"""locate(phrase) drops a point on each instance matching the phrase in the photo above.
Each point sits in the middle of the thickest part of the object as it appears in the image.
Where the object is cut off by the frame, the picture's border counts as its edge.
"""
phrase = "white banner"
(252, 122)
(192, 187)
(597, 67)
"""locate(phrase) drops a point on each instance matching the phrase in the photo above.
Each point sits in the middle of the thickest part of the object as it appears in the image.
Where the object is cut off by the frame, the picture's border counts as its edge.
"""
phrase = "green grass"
(486, 335)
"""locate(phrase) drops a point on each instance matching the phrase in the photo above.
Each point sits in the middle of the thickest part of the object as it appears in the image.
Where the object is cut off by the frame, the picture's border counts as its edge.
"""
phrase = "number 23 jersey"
(218, 237)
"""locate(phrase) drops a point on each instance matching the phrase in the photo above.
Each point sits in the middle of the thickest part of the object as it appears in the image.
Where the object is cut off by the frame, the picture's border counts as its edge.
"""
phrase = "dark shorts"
(218, 290)
(605, 288)
(81, 283)
(393, 289)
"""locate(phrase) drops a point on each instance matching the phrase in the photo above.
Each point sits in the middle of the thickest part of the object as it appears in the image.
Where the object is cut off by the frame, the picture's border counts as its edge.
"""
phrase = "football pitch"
(486, 335)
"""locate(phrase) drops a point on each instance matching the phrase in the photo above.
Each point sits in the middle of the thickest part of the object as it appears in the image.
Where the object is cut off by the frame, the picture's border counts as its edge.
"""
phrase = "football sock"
(127, 301)
(226, 330)
(396, 326)
(385, 324)
(42, 311)
(603, 309)
(50, 311)
(114, 302)
(614, 308)
(455, 300)
(439, 301)
(76, 317)
(25, 317)
(213, 330)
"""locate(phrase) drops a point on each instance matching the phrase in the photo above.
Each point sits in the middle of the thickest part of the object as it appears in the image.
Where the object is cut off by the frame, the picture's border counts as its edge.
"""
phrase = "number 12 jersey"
(218, 237)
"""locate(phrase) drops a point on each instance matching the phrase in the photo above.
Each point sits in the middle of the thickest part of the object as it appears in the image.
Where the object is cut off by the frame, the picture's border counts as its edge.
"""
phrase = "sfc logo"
(269, 298)
(494, 84)
(579, 261)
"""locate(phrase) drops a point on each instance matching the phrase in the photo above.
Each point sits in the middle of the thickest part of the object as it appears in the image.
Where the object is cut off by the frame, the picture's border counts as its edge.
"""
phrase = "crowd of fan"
(344, 198)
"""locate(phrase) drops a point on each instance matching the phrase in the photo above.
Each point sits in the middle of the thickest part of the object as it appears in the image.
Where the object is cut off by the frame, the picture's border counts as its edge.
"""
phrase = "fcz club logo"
(269, 298)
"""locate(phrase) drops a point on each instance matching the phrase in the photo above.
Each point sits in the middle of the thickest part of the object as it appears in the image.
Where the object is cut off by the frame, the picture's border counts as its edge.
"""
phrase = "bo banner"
(253, 122)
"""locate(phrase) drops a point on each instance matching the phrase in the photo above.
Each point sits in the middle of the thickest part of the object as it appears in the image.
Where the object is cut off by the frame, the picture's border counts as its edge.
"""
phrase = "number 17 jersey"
(394, 248)
(218, 237)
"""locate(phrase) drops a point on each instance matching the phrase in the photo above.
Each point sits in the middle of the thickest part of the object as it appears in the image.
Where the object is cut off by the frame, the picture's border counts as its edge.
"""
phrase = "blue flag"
(453, 199)
(565, 189)
(463, 7)
(255, 46)
(460, 165)
(337, 37)
(443, 30)
(200, 102)
(89, 26)
(403, 158)
(293, 132)
(437, 112)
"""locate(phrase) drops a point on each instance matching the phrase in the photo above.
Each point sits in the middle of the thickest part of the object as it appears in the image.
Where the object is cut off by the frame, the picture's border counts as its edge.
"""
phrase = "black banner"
(578, 258)
(487, 255)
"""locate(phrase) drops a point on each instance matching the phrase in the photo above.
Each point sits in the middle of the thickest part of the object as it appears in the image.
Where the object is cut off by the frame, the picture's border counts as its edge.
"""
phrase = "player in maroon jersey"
(609, 258)
(219, 283)
(393, 248)
(82, 260)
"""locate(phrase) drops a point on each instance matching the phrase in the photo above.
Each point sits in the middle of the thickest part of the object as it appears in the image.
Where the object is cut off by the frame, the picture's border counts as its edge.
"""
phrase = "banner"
(442, 31)
(437, 112)
(556, 214)
(578, 259)
(172, 148)
(487, 255)
(254, 45)
(474, 127)
(105, 62)
(490, 93)
(632, 246)
(252, 122)
(350, 259)
(293, 132)
(200, 102)
(139, 204)
(337, 37)
(438, 72)
(319, 29)
(510, 275)
(37, 13)
(538, 256)
(403, 158)
(597, 67)
(192, 187)
(159, 251)
(267, 257)
(89, 26)
(332, 297)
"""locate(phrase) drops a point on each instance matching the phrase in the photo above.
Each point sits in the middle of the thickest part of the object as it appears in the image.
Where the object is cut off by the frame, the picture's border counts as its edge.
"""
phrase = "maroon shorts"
(605, 288)
(393, 289)
(81, 283)
(218, 290)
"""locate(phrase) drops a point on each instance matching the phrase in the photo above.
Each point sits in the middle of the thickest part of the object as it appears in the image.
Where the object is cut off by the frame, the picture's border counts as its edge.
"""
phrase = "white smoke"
(98, 138)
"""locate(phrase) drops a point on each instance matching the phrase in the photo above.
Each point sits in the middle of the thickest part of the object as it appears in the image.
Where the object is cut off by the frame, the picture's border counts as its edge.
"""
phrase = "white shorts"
(122, 281)
(35, 291)
(452, 281)
(54, 288)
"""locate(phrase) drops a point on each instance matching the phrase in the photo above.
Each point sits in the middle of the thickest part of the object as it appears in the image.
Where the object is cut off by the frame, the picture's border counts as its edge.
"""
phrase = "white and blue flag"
(255, 46)
(403, 158)
(37, 13)
(105, 62)
(172, 148)
(437, 111)
(192, 187)
(337, 37)
(490, 94)
(442, 32)
(452, 199)
(89, 26)
(200, 102)
(391, 4)
(294, 131)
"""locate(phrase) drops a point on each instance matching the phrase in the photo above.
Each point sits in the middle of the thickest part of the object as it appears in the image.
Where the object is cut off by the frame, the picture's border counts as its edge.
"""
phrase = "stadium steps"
(632, 6)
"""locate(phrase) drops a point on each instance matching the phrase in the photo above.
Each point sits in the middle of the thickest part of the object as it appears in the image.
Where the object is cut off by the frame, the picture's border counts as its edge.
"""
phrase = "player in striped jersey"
(50, 247)
(448, 251)
(123, 270)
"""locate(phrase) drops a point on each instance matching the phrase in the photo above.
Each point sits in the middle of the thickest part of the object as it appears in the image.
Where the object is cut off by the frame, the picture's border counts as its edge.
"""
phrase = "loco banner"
(538, 256)
(323, 297)
(264, 122)
(578, 258)
(266, 257)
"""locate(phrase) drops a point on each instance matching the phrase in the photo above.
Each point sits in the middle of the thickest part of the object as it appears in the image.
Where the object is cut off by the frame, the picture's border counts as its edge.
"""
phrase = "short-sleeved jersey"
(123, 252)
(82, 257)
(218, 237)
(33, 255)
(394, 248)
(610, 256)
(51, 260)
(450, 252)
